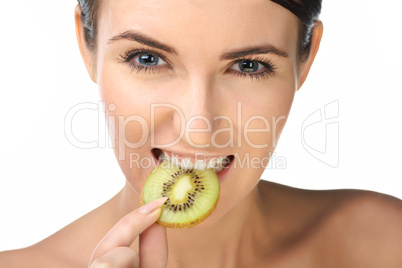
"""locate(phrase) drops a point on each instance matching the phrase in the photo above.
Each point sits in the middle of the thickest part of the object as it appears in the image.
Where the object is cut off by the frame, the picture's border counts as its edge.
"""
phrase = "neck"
(240, 232)
(219, 243)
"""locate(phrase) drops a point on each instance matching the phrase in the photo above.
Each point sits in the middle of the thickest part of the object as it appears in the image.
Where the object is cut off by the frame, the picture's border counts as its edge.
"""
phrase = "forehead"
(206, 25)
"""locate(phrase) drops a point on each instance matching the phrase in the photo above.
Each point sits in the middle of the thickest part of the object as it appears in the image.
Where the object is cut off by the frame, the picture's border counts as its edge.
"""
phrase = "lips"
(194, 161)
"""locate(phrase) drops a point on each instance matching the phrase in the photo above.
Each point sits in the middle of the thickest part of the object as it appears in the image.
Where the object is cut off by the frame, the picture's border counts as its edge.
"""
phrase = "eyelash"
(131, 54)
(270, 68)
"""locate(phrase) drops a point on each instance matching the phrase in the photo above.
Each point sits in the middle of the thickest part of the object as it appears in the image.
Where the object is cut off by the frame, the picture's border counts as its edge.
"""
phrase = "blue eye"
(255, 68)
(144, 59)
(152, 62)
(148, 59)
(248, 66)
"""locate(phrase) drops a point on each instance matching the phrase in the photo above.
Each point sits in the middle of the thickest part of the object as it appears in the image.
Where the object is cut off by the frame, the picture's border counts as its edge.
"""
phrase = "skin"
(256, 223)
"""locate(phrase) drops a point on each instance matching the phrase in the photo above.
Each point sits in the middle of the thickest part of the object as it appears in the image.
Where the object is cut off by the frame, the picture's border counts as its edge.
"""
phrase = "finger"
(118, 257)
(153, 247)
(129, 227)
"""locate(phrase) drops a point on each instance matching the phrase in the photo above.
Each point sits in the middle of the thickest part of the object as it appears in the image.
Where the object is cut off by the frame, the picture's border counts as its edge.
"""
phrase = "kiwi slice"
(192, 194)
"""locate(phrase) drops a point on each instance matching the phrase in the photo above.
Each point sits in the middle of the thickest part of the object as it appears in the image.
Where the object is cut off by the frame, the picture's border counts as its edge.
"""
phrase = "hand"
(114, 249)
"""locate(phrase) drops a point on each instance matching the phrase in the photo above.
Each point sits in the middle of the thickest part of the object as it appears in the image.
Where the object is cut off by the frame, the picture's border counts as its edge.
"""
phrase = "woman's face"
(198, 79)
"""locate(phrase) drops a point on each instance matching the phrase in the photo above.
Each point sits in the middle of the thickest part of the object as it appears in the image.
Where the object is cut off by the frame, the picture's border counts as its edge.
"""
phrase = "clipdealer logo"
(239, 131)
(320, 134)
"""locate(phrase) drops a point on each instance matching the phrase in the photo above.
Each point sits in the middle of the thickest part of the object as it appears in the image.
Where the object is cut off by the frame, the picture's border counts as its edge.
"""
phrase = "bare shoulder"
(337, 228)
(364, 229)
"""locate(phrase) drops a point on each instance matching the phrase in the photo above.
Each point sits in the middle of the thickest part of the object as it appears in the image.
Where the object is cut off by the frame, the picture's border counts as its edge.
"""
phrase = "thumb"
(153, 248)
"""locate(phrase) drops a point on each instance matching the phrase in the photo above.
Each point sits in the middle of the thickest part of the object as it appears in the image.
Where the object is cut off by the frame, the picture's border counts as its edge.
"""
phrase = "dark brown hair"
(307, 11)
(89, 19)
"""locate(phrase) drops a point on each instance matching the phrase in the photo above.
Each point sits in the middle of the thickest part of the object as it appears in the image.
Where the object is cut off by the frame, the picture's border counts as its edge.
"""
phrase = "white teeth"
(200, 165)
(221, 160)
(218, 164)
(186, 163)
(163, 157)
(213, 163)
(175, 160)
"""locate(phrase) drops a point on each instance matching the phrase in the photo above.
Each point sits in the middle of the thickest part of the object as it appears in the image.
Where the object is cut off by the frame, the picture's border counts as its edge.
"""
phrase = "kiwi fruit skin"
(192, 222)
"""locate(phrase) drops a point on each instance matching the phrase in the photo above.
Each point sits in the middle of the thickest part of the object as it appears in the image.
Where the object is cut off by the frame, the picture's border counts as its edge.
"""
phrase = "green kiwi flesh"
(192, 194)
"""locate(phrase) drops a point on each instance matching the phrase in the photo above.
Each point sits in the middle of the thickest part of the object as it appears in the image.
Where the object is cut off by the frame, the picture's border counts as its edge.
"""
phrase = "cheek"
(128, 118)
(264, 114)
(129, 112)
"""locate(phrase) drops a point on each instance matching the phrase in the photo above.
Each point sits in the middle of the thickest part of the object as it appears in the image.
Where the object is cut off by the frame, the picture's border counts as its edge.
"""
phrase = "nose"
(200, 103)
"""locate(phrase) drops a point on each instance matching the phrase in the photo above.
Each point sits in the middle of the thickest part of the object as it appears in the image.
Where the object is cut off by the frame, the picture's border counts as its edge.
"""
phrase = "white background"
(45, 182)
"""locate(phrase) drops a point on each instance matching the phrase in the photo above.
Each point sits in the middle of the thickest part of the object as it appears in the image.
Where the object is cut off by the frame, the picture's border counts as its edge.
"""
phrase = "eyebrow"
(143, 39)
(146, 40)
(254, 50)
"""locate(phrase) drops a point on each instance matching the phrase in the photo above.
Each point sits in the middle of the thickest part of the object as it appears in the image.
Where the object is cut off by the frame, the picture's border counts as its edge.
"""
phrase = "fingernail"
(152, 206)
